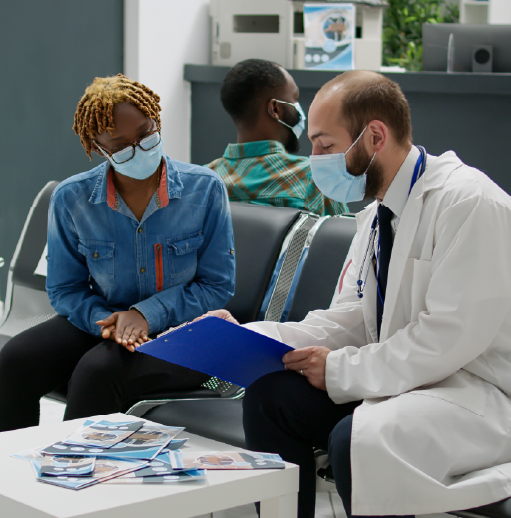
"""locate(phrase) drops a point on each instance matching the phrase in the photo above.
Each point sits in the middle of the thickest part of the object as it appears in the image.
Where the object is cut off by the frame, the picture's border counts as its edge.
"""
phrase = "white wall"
(160, 36)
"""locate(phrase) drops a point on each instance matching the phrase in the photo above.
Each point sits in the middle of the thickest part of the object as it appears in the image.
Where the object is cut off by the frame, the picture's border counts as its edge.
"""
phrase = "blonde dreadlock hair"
(94, 112)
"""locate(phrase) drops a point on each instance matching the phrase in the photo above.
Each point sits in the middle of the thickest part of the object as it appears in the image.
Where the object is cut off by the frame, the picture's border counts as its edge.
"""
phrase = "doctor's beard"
(357, 166)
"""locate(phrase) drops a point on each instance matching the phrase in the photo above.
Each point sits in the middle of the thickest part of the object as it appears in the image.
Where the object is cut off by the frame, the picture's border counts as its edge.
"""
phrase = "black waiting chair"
(26, 302)
(222, 420)
(320, 273)
(259, 234)
(258, 231)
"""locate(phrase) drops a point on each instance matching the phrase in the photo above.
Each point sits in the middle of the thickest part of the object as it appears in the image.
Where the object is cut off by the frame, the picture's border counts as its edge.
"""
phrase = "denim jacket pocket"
(183, 255)
(100, 260)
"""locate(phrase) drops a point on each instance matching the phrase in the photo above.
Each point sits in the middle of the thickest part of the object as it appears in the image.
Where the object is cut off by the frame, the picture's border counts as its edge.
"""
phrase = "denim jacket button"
(142, 270)
(96, 255)
(140, 230)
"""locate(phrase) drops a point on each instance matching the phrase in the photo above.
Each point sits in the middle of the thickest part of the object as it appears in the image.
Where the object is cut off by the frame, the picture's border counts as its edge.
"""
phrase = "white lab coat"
(434, 432)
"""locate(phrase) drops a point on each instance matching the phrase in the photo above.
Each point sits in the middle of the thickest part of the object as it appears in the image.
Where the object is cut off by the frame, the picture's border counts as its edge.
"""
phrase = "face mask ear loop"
(277, 119)
(358, 138)
(370, 163)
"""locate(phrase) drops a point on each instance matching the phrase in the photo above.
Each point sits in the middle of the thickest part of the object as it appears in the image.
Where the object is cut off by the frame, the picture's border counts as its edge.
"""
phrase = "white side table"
(21, 496)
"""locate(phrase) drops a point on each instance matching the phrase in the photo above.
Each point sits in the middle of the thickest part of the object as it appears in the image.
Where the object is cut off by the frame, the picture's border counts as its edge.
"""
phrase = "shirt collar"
(170, 186)
(397, 194)
(252, 149)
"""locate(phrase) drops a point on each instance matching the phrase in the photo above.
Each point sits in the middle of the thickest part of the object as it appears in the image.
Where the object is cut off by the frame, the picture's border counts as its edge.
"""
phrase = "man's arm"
(466, 303)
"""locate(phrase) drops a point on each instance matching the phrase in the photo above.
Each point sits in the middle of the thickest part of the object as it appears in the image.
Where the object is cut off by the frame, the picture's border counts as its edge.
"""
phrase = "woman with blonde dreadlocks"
(139, 243)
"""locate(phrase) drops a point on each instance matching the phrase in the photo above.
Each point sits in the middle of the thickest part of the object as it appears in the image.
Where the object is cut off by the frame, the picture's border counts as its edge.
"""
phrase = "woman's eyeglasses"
(127, 153)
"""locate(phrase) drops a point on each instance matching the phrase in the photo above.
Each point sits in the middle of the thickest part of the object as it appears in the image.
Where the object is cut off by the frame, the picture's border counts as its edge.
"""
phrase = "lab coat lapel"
(403, 241)
(436, 173)
(364, 220)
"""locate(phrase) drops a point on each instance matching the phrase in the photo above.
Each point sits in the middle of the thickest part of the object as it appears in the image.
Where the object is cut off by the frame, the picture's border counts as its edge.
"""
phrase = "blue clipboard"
(220, 348)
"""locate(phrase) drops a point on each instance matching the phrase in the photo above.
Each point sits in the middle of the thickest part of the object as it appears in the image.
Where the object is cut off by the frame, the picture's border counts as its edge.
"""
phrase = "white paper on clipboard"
(42, 265)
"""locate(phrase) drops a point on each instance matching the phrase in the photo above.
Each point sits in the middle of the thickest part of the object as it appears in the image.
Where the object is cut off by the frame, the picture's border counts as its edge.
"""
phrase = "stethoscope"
(418, 171)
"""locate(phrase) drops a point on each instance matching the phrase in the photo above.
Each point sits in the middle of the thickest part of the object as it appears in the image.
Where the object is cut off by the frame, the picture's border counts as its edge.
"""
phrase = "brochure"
(55, 465)
(225, 460)
(145, 444)
(175, 444)
(104, 469)
(177, 476)
(103, 434)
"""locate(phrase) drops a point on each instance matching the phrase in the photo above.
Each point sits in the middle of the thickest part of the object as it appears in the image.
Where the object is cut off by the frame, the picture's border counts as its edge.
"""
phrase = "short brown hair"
(368, 96)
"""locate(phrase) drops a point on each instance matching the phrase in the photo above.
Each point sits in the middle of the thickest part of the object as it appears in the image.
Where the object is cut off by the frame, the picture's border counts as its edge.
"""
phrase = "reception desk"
(467, 113)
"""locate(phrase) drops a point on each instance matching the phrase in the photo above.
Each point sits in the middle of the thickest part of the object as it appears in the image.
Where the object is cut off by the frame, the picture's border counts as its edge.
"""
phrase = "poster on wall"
(329, 36)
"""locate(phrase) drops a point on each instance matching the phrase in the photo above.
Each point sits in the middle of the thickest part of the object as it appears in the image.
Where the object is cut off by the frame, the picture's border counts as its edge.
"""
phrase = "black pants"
(101, 375)
(283, 413)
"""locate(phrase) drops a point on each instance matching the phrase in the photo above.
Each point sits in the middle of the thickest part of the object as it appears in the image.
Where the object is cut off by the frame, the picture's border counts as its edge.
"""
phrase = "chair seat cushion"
(4, 339)
(217, 419)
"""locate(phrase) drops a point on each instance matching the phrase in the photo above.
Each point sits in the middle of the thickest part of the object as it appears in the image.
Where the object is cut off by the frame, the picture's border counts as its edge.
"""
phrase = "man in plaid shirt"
(262, 99)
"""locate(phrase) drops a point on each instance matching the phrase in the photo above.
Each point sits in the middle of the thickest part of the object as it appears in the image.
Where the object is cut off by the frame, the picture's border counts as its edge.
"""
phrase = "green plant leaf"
(402, 31)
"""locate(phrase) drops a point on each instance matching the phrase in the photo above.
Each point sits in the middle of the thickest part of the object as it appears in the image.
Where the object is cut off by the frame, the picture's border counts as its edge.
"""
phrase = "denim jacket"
(173, 265)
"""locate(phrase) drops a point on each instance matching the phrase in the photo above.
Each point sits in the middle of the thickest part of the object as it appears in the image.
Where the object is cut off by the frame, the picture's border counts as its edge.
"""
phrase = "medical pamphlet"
(148, 455)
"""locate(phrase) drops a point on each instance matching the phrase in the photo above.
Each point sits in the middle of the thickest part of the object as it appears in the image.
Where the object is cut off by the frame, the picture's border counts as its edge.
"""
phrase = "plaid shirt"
(263, 173)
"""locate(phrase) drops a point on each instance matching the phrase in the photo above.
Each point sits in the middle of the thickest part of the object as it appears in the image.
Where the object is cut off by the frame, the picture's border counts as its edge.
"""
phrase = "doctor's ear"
(379, 135)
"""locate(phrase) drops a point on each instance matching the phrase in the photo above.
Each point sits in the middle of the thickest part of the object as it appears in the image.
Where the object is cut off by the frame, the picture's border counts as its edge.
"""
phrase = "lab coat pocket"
(420, 281)
(100, 260)
(462, 388)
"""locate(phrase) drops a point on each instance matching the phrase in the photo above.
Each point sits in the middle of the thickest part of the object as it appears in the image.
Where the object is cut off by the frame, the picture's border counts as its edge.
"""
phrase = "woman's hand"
(219, 313)
(128, 328)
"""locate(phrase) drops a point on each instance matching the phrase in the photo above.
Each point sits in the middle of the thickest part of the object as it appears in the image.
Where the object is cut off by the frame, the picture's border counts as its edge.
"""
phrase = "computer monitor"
(435, 43)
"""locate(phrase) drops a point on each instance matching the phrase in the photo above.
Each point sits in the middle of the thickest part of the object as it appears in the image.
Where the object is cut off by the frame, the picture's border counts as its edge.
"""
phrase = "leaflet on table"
(177, 476)
(225, 460)
(221, 349)
(104, 469)
(145, 444)
(103, 434)
(56, 465)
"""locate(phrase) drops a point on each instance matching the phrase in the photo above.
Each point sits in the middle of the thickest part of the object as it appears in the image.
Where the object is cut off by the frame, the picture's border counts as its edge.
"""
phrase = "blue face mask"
(298, 128)
(332, 178)
(142, 165)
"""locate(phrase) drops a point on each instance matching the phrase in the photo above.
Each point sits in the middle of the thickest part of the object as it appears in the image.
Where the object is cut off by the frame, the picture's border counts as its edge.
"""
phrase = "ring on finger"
(301, 372)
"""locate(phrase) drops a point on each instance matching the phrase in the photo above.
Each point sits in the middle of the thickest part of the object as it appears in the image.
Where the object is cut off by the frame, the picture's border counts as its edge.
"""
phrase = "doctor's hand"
(128, 328)
(219, 313)
(310, 362)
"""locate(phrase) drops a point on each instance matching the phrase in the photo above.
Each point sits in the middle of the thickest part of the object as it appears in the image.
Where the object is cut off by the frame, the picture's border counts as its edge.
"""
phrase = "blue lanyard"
(420, 167)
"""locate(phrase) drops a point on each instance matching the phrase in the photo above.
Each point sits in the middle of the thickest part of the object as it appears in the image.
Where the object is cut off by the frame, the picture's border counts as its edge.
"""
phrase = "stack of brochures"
(126, 452)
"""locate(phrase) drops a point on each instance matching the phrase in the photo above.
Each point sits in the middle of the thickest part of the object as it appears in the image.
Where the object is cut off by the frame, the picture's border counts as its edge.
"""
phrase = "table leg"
(280, 507)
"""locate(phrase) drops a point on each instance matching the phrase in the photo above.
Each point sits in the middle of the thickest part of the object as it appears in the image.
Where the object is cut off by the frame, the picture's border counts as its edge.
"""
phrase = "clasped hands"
(128, 328)
(308, 361)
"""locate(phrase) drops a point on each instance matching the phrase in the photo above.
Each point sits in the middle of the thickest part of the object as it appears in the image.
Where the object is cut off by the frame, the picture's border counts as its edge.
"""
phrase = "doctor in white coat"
(415, 408)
